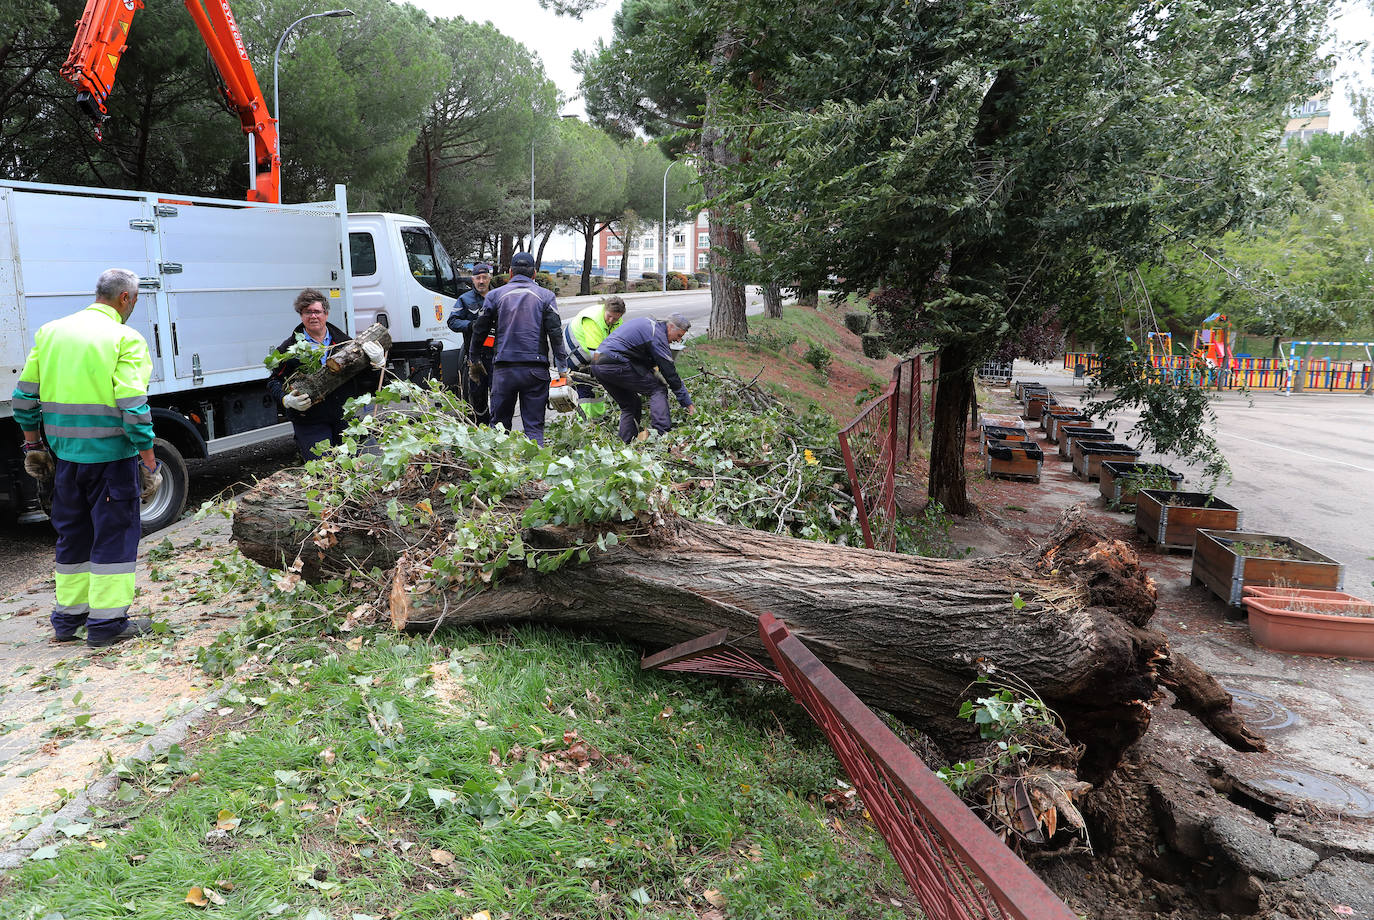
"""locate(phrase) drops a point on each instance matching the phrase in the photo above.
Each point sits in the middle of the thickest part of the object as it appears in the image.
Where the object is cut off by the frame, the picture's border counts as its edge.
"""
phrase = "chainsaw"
(562, 396)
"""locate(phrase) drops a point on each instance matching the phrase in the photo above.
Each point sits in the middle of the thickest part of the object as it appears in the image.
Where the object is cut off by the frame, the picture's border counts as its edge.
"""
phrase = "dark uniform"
(323, 421)
(476, 393)
(524, 318)
(624, 365)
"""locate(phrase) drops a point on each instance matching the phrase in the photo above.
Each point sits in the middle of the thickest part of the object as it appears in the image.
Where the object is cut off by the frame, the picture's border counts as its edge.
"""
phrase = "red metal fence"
(880, 438)
(958, 869)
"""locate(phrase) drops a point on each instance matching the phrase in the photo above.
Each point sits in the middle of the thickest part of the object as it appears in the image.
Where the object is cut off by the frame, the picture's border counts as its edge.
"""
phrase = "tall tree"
(985, 163)
(597, 169)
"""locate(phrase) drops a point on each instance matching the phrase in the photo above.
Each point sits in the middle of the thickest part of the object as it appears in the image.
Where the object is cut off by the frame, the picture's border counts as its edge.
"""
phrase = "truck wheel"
(166, 506)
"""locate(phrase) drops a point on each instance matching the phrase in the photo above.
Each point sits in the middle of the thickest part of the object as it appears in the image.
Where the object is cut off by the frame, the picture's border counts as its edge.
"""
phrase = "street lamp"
(664, 266)
(276, 83)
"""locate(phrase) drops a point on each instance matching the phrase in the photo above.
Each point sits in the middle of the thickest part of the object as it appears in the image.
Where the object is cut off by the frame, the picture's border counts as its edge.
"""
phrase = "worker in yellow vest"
(583, 335)
(85, 386)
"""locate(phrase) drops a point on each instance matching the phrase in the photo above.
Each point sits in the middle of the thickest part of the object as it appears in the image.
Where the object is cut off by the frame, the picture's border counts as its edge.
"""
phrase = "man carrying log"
(318, 421)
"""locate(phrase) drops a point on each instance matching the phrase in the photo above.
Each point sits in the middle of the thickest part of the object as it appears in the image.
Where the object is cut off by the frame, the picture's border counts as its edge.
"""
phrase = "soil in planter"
(1268, 549)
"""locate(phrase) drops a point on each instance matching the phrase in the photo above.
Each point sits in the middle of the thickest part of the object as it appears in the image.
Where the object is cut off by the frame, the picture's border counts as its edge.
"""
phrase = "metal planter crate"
(1218, 565)
(1015, 460)
(1171, 518)
(1070, 433)
(1054, 428)
(1116, 480)
(1088, 456)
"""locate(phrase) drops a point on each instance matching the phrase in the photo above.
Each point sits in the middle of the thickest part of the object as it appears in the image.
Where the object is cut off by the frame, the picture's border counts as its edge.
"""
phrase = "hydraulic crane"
(102, 37)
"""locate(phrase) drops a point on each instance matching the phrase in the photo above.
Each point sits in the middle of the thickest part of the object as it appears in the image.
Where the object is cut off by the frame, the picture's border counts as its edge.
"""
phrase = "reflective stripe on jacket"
(86, 384)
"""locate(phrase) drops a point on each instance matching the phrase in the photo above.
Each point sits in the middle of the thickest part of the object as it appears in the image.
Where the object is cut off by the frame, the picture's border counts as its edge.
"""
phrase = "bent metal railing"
(957, 868)
(880, 438)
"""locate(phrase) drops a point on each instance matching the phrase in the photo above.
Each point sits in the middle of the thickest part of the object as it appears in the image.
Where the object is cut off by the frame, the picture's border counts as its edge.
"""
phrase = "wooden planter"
(1070, 433)
(1172, 519)
(1088, 456)
(1057, 424)
(1218, 565)
(1120, 481)
(1015, 459)
(1036, 403)
(1297, 622)
(1051, 412)
(1023, 385)
(999, 433)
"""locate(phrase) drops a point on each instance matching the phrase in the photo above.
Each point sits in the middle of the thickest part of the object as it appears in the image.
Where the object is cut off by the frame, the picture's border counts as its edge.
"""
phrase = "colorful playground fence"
(1319, 374)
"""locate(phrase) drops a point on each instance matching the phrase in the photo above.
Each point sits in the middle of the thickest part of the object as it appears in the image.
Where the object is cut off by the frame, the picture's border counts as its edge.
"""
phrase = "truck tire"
(166, 506)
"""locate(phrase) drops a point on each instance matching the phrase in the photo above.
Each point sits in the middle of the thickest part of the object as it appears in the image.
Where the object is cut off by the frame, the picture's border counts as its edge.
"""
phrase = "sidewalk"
(69, 713)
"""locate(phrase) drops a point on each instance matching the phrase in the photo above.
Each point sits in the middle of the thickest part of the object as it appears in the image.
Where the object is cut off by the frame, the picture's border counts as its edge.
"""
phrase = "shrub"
(703, 278)
(857, 323)
(644, 285)
(651, 276)
(615, 287)
(693, 284)
(772, 340)
(544, 280)
(818, 356)
(499, 279)
(677, 281)
(874, 345)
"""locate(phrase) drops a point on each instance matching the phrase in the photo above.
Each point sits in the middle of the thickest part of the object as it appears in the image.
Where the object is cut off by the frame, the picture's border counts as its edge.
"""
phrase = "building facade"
(689, 248)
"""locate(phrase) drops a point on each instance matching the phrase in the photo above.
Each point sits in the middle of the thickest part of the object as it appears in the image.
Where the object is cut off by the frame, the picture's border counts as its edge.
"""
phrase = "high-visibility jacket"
(86, 384)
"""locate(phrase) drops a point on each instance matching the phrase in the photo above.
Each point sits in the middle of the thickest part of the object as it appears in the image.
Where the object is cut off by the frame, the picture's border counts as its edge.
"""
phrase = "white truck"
(217, 281)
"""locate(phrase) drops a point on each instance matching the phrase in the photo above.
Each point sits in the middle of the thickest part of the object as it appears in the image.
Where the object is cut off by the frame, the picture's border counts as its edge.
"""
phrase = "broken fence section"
(880, 438)
(957, 868)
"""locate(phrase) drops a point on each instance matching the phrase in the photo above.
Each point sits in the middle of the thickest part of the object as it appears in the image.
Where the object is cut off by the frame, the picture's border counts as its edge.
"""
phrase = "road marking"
(1290, 450)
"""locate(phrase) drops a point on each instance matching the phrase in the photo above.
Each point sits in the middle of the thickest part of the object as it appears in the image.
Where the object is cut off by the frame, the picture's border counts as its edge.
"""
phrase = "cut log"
(908, 634)
(343, 364)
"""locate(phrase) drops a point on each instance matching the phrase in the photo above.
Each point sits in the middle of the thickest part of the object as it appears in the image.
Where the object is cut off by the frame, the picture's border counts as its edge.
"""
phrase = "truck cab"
(404, 279)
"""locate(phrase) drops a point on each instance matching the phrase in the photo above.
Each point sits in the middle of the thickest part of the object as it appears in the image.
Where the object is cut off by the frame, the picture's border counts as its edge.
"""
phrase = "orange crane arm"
(102, 38)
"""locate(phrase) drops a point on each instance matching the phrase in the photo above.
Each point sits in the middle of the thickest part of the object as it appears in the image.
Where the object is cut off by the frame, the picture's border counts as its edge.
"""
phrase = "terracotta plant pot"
(1088, 456)
(1332, 628)
(1070, 433)
(1121, 481)
(1171, 519)
(1015, 459)
(1311, 594)
(1228, 560)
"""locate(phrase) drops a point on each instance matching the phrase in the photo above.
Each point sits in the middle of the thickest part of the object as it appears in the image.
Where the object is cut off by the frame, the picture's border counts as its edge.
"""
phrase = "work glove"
(298, 401)
(477, 372)
(149, 480)
(375, 354)
(39, 464)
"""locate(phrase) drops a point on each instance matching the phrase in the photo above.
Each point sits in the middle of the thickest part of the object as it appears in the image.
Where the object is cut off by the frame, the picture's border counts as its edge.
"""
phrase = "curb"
(16, 854)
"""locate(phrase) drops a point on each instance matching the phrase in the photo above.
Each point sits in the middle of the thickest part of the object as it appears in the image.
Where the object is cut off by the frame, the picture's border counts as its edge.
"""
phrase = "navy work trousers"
(95, 511)
(626, 384)
(529, 383)
(313, 437)
(477, 395)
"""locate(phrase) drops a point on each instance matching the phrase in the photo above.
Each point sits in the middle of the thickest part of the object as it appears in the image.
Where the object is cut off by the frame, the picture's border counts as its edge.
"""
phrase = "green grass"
(344, 768)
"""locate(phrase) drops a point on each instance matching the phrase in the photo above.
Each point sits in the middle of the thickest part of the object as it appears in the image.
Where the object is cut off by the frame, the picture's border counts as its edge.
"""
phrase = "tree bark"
(344, 363)
(772, 301)
(949, 431)
(588, 235)
(808, 297)
(728, 317)
(908, 634)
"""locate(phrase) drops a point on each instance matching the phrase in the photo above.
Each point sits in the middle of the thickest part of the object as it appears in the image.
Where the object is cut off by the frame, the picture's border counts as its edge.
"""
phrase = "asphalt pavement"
(1302, 466)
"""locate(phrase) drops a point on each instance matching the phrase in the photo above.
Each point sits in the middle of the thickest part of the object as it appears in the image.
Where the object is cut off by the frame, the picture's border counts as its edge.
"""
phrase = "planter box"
(1331, 628)
(1004, 422)
(1048, 416)
(1023, 385)
(1036, 403)
(1057, 424)
(1088, 456)
(1015, 459)
(1120, 481)
(1070, 433)
(1218, 565)
(1172, 519)
(998, 433)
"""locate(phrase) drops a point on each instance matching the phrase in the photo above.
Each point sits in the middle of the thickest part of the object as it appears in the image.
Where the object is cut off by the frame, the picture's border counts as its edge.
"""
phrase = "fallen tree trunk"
(908, 634)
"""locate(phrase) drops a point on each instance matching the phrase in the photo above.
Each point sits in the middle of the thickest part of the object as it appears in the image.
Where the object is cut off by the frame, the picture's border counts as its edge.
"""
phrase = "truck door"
(431, 286)
(231, 274)
(63, 243)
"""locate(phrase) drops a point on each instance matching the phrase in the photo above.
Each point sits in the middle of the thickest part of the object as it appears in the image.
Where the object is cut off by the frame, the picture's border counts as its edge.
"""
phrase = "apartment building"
(689, 248)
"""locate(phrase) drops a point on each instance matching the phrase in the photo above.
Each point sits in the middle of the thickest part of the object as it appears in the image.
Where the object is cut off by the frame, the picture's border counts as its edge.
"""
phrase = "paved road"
(1303, 467)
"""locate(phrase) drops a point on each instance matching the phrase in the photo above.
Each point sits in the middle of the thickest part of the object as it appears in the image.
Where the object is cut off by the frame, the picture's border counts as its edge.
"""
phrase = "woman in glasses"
(322, 423)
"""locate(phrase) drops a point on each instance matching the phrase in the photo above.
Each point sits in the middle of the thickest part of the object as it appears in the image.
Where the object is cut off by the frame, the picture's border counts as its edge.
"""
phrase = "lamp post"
(665, 225)
(276, 83)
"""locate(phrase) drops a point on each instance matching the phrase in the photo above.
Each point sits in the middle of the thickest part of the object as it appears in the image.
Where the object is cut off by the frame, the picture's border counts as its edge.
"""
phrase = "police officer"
(476, 386)
(86, 385)
(523, 317)
(625, 363)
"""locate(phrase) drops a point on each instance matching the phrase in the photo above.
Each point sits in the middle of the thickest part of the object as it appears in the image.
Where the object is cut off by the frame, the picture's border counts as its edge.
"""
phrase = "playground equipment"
(1329, 375)
(1211, 352)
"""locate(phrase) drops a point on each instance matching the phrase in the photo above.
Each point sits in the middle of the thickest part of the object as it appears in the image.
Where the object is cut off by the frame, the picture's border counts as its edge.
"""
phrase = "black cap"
(522, 260)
